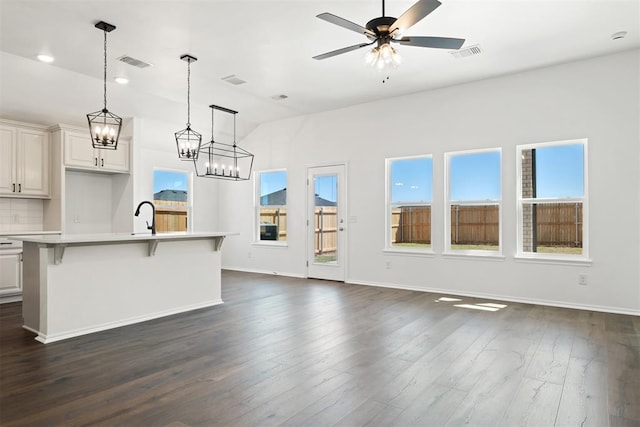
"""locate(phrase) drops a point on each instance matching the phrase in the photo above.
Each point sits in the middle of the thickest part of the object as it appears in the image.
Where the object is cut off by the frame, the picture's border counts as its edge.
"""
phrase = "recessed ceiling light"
(46, 58)
(234, 80)
(619, 35)
(122, 80)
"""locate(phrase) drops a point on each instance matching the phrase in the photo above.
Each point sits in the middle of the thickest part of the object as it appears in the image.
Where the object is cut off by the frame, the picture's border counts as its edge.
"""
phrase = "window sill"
(475, 255)
(272, 244)
(559, 260)
(409, 252)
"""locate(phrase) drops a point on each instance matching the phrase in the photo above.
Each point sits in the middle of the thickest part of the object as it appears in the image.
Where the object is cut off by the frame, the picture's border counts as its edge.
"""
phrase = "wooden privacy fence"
(411, 224)
(475, 225)
(325, 223)
(326, 229)
(168, 220)
(277, 217)
(557, 224)
(171, 215)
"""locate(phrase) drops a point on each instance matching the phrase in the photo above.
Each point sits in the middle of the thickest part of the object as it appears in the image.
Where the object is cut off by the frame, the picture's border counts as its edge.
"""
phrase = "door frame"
(342, 210)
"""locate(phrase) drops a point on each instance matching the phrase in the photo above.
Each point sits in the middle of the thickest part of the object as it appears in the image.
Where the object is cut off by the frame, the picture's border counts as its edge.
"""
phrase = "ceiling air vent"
(133, 61)
(467, 51)
(234, 80)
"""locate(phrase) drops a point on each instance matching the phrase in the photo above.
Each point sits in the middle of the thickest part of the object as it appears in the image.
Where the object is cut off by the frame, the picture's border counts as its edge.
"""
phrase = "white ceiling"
(270, 44)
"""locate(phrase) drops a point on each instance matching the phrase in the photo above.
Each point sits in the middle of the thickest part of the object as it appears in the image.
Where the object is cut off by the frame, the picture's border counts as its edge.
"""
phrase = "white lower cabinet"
(79, 154)
(10, 275)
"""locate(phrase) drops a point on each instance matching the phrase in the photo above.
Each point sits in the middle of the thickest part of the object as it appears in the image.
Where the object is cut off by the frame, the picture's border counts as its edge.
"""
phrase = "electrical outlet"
(249, 255)
(387, 265)
(582, 279)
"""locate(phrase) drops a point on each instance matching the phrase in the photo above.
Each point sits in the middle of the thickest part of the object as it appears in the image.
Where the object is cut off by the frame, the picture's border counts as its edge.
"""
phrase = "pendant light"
(104, 126)
(223, 161)
(187, 140)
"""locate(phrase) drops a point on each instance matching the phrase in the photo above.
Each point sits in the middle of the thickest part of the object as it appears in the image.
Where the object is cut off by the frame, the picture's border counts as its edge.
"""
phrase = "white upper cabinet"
(79, 154)
(24, 162)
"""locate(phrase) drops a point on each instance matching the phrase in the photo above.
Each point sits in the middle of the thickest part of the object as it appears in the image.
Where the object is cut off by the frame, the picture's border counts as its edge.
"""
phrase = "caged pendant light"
(104, 126)
(188, 140)
(223, 161)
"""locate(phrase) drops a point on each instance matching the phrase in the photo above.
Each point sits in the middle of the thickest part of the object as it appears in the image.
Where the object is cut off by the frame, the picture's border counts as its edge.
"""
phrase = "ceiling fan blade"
(414, 14)
(434, 42)
(341, 22)
(341, 51)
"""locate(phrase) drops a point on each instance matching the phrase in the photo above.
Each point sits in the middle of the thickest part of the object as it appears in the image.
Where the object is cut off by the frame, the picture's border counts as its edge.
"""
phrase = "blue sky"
(270, 182)
(326, 187)
(168, 180)
(411, 180)
(475, 176)
(560, 171)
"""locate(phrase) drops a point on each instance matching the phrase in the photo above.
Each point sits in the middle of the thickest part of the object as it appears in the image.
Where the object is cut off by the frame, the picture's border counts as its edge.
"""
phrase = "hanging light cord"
(234, 130)
(212, 139)
(105, 70)
(188, 93)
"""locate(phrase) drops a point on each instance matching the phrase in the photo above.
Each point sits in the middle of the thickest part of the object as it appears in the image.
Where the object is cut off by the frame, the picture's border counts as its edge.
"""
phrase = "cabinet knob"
(95, 161)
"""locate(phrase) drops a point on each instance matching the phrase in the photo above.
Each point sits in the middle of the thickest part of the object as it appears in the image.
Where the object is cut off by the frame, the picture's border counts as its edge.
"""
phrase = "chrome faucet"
(151, 227)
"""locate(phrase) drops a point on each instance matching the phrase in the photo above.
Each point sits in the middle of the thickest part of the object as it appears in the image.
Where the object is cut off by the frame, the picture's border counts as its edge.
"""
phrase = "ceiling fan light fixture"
(383, 57)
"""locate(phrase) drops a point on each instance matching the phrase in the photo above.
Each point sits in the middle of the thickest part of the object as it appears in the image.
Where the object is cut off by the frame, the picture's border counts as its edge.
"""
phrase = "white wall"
(155, 148)
(595, 99)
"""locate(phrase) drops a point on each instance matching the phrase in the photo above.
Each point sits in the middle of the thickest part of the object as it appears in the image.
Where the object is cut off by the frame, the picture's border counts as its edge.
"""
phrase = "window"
(409, 196)
(473, 202)
(552, 199)
(271, 206)
(171, 198)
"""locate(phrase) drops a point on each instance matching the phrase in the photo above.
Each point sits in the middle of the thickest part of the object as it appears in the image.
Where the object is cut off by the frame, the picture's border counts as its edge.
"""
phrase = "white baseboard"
(46, 339)
(10, 298)
(561, 304)
(259, 271)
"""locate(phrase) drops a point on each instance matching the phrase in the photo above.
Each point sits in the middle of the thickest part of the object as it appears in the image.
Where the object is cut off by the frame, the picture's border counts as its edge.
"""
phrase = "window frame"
(520, 202)
(257, 206)
(389, 206)
(448, 203)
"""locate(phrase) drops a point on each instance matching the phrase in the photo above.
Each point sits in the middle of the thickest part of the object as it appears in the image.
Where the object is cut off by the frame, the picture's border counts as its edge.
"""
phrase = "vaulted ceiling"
(269, 45)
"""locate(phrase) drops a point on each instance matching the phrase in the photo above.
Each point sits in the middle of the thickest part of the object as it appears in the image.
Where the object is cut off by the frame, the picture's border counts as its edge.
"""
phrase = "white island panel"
(103, 286)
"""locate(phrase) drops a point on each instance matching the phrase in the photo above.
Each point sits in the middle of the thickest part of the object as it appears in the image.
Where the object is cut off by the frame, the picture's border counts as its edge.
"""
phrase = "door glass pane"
(326, 219)
(170, 195)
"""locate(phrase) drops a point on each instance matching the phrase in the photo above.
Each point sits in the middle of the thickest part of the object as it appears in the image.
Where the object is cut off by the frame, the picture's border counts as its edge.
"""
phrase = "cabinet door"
(116, 160)
(78, 151)
(7, 160)
(10, 274)
(33, 163)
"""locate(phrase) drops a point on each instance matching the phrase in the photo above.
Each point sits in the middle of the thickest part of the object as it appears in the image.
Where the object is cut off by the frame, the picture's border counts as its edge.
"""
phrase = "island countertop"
(105, 238)
(60, 242)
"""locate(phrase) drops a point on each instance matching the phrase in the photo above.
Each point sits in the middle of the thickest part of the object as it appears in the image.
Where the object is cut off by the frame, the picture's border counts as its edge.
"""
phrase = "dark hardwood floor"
(284, 351)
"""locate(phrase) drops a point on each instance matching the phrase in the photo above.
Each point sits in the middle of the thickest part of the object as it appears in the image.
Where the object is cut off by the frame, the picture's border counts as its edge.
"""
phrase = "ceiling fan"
(385, 30)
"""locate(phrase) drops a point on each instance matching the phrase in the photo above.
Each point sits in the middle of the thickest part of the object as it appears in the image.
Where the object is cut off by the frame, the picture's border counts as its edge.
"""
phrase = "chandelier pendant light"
(223, 161)
(187, 140)
(104, 126)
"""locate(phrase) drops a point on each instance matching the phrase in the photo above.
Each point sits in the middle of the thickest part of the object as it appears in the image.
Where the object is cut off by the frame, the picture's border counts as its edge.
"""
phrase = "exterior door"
(326, 223)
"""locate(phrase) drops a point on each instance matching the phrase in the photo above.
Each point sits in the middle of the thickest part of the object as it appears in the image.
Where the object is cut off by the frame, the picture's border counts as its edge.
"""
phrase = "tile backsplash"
(21, 215)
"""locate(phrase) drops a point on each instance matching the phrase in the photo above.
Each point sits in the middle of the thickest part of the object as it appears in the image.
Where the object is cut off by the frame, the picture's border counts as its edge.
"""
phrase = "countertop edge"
(114, 238)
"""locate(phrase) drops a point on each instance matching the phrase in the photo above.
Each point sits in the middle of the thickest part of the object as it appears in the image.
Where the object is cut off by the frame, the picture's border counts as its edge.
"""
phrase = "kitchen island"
(79, 284)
